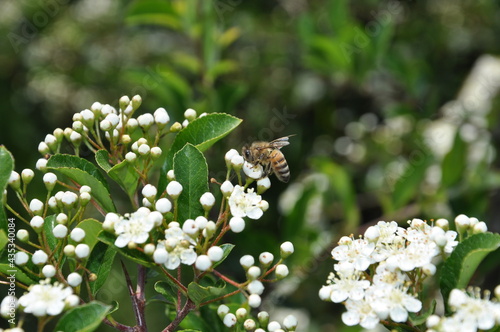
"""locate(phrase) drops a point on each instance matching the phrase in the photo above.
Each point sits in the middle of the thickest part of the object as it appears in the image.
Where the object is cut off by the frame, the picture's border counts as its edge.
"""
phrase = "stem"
(188, 307)
(226, 279)
(177, 282)
(137, 304)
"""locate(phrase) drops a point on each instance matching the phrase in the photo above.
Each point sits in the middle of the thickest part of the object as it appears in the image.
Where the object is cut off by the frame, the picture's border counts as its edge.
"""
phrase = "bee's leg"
(268, 169)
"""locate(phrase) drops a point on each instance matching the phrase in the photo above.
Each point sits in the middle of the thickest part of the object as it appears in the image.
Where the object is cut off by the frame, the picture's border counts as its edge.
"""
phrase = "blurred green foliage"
(366, 87)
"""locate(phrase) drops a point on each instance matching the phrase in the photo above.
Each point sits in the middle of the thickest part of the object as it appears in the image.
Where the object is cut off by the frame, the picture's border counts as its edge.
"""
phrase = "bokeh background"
(394, 106)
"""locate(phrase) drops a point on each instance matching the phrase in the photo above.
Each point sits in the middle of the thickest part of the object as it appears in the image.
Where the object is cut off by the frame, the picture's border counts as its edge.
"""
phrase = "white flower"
(394, 302)
(245, 204)
(347, 286)
(475, 313)
(360, 312)
(253, 171)
(45, 299)
(180, 247)
(354, 254)
(133, 228)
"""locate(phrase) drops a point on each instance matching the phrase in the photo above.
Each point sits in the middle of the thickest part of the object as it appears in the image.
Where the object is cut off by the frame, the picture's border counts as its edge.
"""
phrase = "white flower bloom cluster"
(261, 324)
(471, 313)
(177, 248)
(47, 299)
(391, 252)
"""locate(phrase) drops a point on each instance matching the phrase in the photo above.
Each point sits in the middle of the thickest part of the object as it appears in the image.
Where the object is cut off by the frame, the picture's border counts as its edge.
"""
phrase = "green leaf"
(100, 262)
(421, 318)
(7, 163)
(48, 227)
(191, 171)
(151, 12)
(202, 133)
(198, 293)
(8, 269)
(3, 239)
(226, 248)
(123, 173)
(134, 255)
(84, 318)
(454, 163)
(463, 261)
(167, 289)
(84, 172)
(408, 185)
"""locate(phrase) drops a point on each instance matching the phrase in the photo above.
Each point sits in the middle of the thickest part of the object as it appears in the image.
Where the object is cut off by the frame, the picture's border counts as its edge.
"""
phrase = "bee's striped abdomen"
(280, 166)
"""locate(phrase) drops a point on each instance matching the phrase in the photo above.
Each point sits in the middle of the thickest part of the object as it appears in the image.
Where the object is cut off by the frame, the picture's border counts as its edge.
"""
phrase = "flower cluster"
(242, 318)
(392, 254)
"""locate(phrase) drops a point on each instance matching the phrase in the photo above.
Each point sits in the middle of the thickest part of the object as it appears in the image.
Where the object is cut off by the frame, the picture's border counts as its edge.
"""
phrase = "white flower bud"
(174, 189)
(72, 300)
(496, 291)
(255, 287)
(41, 164)
(96, 108)
(229, 320)
(84, 198)
(222, 310)
(190, 228)
(113, 119)
(203, 263)
(23, 235)
(155, 217)
(149, 191)
(144, 149)
(58, 134)
(229, 156)
(69, 198)
(77, 117)
(480, 227)
(429, 269)
(473, 221)
(49, 271)
(82, 251)
(325, 293)
(131, 157)
(60, 231)
(185, 123)
(247, 261)
(160, 255)
(87, 117)
(145, 120)
(254, 300)
(105, 125)
(176, 127)
(237, 162)
(21, 258)
(74, 279)
(209, 229)
(37, 223)
(443, 223)
(215, 253)
(226, 188)
(432, 321)
(170, 175)
(237, 224)
(124, 102)
(132, 124)
(273, 326)
(15, 180)
(39, 257)
(69, 250)
(281, 271)
(107, 109)
(253, 272)
(263, 205)
(249, 325)
(263, 318)
(263, 184)
(290, 322)
(207, 200)
(163, 205)
(43, 148)
(156, 152)
(241, 313)
(51, 141)
(190, 114)
(78, 126)
(161, 117)
(50, 180)
(62, 218)
(149, 249)
(75, 138)
(372, 233)
(125, 139)
(201, 222)
(27, 175)
(462, 222)
(286, 249)
(266, 258)
(77, 234)
(36, 206)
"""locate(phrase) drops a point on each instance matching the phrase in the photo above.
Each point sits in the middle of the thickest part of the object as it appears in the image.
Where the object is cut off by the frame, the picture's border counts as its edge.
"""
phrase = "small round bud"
(160, 255)
(325, 293)
(144, 149)
(170, 175)
(432, 321)
(203, 263)
(69, 198)
(443, 223)
(109, 221)
(281, 271)
(266, 258)
(161, 117)
(249, 325)
(229, 156)
(255, 287)
(49, 179)
(237, 224)
(92, 277)
(215, 253)
(82, 251)
(176, 127)
(23, 235)
(189, 227)
(190, 114)
(84, 198)
(15, 180)
(496, 291)
(247, 261)
(78, 127)
(254, 300)
(62, 218)
(88, 117)
(37, 223)
(136, 101)
(155, 217)
(52, 141)
(74, 279)
(105, 125)
(263, 184)
(226, 188)
(462, 222)
(75, 138)
(43, 148)
(58, 134)
(145, 120)
(69, 250)
(36, 206)
(85, 189)
(156, 152)
(130, 157)
(41, 164)
(207, 200)
(60, 231)
(27, 175)
(473, 221)
(163, 205)
(372, 233)
(149, 191)
(201, 222)
(107, 109)
(132, 125)
(480, 227)
(209, 229)
(253, 272)
(77, 234)
(96, 108)
(263, 318)
(290, 322)
(185, 123)
(39, 257)
(49, 271)
(241, 314)
(273, 326)
(21, 258)
(123, 102)
(263, 205)
(237, 162)
(229, 320)
(222, 310)
(77, 117)
(429, 269)
(286, 249)
(149, 249)
(125, 139)
(174, 189)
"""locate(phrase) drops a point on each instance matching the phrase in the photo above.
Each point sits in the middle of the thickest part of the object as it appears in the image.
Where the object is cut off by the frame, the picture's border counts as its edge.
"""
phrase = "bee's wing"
(279, 142)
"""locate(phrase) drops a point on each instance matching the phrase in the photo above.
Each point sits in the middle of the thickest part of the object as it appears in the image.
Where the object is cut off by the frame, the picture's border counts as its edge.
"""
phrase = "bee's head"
(247, 154)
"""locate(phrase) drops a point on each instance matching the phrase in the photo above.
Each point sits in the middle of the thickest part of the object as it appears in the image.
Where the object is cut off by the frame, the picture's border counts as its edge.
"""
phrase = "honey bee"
(269, 156)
